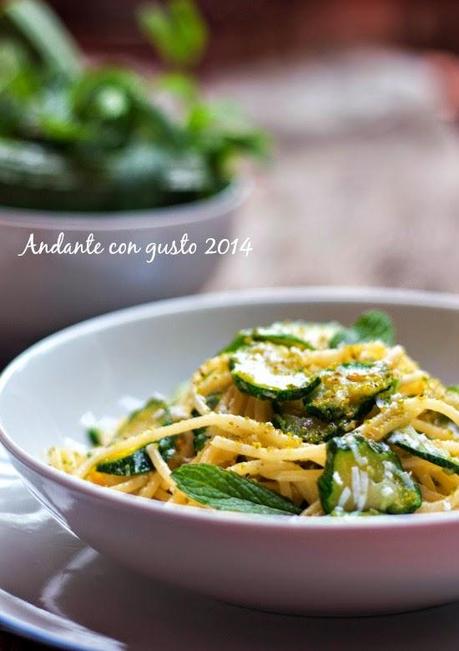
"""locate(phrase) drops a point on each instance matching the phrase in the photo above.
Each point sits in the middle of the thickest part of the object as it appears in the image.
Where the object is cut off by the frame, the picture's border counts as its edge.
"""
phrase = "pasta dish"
(295, 418)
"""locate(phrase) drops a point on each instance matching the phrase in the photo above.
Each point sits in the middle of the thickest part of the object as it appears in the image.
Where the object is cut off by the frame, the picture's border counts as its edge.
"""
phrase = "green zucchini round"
(362, 475)
(421, 446)
(348, 391)
(271, 372)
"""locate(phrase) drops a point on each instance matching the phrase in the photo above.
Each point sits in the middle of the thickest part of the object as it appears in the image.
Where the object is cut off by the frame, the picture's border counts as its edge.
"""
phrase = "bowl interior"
(135, 352)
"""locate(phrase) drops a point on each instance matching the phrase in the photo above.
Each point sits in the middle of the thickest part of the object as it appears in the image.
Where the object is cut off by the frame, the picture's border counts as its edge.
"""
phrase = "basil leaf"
(226, 491)
(370, 326)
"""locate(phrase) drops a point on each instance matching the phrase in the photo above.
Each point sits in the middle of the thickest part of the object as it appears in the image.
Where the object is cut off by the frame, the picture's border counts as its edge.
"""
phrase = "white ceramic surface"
(326, 565)
(52, 587)
(43, 293)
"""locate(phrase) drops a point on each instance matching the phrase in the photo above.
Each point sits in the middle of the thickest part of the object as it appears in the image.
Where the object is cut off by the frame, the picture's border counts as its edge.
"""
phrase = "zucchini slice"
(136, 463)
(308, 428)
(421, 446)
(200, 435)
(95, 436)
(318, 335)
(242, 339)
(300, 334)
(348, 391)
(363, 475)
(200, 438)
(155, 413)
(212, 401)
(287, 333)
(271, 372)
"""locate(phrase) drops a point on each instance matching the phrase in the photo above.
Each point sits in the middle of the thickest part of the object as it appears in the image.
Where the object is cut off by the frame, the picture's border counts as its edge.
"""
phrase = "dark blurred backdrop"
(252, 29)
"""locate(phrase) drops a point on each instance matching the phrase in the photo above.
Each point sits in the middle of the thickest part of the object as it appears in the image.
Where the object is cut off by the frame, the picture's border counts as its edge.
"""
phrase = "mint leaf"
(179, 84)
(177, 30)
(226, 491)
(375, 324)
(42, 30)
(454, 388)
(370, 326)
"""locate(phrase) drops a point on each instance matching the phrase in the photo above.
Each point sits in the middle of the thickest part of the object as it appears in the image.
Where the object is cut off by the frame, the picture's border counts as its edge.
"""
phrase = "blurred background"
(361, 97)
(361, 101)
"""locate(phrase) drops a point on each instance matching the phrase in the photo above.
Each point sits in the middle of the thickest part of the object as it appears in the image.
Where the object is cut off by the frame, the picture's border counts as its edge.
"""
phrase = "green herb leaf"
(454, 388)
(179, 84)
(78, 138)
(178, 31)
(226, 491)
(44, 33)
(220, 128)
(370, 326)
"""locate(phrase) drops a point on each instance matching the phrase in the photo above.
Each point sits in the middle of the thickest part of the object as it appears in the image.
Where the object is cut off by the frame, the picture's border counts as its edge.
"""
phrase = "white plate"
(55, 590)
(295, 565)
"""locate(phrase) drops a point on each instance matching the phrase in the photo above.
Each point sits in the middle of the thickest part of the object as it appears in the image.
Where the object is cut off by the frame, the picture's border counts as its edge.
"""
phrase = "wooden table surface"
(375, 204)
(380, 212)
(350, 198)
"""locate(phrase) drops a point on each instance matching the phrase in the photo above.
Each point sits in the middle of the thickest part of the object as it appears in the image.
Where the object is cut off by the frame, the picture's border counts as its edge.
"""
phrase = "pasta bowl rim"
(413, 298)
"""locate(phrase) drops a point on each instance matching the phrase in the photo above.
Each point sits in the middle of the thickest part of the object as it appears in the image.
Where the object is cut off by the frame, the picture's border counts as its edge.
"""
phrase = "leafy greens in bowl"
(75, 137)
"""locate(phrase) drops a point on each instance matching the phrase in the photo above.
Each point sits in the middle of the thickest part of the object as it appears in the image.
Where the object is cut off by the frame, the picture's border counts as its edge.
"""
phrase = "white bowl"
(321, 565)
(41, 293)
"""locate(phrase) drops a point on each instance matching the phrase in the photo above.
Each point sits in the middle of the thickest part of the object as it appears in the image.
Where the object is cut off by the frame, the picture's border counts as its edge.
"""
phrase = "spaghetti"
(294, 417)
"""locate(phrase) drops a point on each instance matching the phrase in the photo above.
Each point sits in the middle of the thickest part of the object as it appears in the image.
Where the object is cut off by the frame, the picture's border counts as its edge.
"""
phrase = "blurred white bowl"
(41, 293)
(305, 565)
